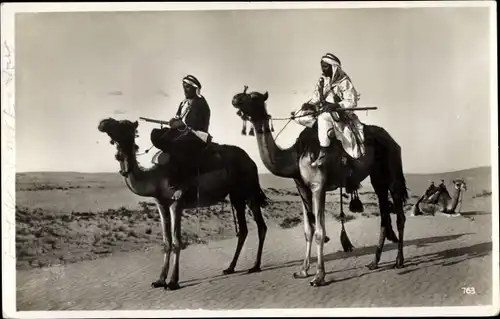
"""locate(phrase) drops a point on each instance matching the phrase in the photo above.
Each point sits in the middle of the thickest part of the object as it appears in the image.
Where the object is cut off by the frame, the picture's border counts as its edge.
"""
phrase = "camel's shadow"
(474, 213)
(444, 258)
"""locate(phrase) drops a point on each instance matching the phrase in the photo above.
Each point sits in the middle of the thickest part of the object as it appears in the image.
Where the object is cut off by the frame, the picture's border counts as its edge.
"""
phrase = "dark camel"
(228, 170)
(382, 163)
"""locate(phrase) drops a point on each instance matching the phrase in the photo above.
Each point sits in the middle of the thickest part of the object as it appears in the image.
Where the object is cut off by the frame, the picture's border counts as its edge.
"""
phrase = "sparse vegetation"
(290, 222)
(348, 217)
(68, 217)
(484, 193)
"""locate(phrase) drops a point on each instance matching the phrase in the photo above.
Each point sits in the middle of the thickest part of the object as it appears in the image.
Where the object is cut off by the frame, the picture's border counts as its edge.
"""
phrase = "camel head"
(251, 106)
(122, 133)
(460, 184)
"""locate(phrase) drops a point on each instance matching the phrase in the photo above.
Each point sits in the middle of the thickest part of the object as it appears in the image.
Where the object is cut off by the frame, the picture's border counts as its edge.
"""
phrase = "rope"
(276, 137)
(146, 151)
(198, 189)
(342, 215)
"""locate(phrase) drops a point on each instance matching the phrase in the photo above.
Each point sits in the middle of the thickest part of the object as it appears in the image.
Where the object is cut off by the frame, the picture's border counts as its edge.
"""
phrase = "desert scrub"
(484, 193)
(347, 217)
(289, 222)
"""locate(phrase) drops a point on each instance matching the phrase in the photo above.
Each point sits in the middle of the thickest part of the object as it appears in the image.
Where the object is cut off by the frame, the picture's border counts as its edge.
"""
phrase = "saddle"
(210, 159)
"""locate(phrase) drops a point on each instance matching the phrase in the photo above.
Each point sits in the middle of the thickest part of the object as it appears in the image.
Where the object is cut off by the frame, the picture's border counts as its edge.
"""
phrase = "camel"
(228, 170)
(441, 202)
(382, 163)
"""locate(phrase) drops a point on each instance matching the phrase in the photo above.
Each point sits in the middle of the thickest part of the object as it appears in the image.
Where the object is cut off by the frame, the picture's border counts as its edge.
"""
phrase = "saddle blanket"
(350, 136)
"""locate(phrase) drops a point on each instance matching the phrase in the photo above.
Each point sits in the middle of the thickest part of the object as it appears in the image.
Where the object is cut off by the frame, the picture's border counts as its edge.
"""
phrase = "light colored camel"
(441, 201)
(235, 175)
(382, 163)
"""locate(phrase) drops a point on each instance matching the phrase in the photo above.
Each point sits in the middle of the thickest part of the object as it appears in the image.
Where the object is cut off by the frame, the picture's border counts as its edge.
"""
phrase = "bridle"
(120, 157)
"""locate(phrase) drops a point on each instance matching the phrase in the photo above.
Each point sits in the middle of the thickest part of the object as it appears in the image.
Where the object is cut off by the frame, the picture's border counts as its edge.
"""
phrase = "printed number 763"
(469, 290)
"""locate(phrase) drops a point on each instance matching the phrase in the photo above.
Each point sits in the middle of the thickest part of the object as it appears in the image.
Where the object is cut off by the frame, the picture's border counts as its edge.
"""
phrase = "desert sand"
(442, 254)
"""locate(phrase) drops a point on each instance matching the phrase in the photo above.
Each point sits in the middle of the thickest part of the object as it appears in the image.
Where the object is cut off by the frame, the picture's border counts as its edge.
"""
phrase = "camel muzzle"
(106, 125)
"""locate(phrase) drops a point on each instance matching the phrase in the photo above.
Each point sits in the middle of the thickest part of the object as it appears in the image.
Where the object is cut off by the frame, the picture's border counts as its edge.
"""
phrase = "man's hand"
(176, 123)
(321, 83)
(330, 107)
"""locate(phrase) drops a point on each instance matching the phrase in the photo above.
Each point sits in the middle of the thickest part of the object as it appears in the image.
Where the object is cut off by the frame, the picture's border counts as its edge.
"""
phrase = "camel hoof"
(158, 284)
(253, 270)
(399, 263)
(300, 274)
(372, 266)
(317, 282)
(172, 286)
(228, 271)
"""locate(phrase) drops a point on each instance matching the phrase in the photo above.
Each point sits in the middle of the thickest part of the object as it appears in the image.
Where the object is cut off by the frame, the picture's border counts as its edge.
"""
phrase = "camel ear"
(266, 95)
(136, 124)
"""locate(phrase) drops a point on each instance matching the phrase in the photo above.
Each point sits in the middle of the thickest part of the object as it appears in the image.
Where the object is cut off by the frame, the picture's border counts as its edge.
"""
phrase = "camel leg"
(386, 231)
(319, 234)
(239, 206)
(262, 230)
(175, 223)
(306, 197)
(400, 221)
(167, 245)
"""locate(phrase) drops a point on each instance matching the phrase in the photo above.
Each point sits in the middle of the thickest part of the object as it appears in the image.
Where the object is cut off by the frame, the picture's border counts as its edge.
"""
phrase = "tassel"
(244, 128)
(355, 205)
(251, 133)
(272, 128)
(344, 240)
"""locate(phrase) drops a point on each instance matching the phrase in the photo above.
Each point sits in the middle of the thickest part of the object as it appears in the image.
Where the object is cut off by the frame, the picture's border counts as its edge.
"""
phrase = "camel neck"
(138, 180)
(280, 162)
(454, 199)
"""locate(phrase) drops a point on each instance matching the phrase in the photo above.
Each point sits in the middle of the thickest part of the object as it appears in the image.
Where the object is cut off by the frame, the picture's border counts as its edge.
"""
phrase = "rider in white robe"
(335, 88)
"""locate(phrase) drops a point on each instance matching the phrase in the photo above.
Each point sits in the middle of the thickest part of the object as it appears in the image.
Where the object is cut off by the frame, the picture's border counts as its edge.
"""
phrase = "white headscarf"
(333, 61)
(193, 81)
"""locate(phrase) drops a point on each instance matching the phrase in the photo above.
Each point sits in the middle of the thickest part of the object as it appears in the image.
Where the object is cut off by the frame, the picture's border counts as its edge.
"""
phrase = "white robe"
(344, 89)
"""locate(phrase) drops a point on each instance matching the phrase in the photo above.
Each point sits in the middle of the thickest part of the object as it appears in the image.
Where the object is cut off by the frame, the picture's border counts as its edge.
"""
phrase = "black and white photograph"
(208, 159)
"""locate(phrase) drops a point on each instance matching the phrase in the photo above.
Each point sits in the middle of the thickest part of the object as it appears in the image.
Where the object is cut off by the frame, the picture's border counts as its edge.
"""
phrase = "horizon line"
(266, 173)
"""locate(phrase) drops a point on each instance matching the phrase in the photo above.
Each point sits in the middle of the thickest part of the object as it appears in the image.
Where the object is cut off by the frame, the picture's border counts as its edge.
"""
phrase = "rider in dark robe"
(193, 115)
(431, 190)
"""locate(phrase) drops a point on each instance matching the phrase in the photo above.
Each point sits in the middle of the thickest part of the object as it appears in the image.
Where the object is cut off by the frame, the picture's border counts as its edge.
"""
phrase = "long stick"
(155, 121)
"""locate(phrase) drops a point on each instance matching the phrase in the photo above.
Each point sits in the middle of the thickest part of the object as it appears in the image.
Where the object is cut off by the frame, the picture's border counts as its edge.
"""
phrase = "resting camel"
(382, 163)
(441, 202)
(228, 170)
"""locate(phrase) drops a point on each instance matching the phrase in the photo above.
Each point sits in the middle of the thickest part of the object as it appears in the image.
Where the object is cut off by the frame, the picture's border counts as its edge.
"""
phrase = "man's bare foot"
(177, 194)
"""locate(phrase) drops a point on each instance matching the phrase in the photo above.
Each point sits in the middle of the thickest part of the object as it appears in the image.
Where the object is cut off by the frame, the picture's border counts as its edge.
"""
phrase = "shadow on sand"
(475, 213)
(444, 258)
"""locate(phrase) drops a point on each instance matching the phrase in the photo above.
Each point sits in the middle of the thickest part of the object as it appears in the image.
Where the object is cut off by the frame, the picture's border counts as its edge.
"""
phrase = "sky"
(426, 69)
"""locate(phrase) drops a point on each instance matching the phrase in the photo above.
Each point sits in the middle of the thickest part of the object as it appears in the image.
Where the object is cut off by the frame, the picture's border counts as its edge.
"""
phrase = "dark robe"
(186, 149)
(198, 117)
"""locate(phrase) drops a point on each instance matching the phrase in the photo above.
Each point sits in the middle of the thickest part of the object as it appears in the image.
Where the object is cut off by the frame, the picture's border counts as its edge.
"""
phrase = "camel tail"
(397, 186)
(262, 198)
